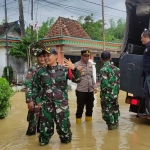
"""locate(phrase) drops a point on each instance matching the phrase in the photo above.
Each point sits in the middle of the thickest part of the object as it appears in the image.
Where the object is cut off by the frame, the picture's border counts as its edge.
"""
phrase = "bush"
(5, 93)
(10, 74)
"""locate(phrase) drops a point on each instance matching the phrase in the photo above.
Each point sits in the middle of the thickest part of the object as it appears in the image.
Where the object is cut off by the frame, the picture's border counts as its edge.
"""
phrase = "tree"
(93, 28)
(20, 49)
(43, 29)
(116, 32)
(46, 26)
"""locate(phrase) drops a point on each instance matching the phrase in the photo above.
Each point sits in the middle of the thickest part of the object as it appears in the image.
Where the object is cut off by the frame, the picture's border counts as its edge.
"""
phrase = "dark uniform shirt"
(146, 60)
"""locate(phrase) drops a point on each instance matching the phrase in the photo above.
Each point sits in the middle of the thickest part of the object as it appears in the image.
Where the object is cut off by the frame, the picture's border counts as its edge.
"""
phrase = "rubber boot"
(88, 118)
(78, 120)
(147, 109)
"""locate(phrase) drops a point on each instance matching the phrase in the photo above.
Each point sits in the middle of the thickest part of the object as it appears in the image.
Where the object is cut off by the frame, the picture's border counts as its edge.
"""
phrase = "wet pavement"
(132, 134)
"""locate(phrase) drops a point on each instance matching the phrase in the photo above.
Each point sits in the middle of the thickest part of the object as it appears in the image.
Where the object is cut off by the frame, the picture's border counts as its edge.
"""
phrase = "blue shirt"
(146, 60)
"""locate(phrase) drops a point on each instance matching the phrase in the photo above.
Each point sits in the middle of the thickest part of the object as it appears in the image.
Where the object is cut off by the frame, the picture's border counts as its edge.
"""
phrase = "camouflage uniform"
(33, 116)
(110, 83)
(54, 102)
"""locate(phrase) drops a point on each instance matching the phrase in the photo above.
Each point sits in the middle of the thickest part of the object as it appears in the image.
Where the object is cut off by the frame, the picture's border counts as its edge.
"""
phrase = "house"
(69, 38)
(14, 36)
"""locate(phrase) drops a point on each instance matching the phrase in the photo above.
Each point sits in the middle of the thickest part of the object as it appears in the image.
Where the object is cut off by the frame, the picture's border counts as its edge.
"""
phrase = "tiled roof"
(67, 27)
(2, 28)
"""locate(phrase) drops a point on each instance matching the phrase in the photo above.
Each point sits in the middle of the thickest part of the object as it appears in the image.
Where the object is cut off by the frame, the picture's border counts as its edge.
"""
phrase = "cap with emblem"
(39, 52)
(85, 52)
(51, 51)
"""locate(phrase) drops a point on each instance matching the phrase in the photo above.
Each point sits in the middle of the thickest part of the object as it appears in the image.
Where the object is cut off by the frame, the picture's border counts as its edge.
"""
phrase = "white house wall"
(18, 65)
(14, 34)
(3, 59)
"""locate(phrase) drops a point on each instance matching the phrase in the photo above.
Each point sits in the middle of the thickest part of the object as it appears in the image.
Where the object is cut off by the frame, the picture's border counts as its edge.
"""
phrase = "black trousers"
(84, 99)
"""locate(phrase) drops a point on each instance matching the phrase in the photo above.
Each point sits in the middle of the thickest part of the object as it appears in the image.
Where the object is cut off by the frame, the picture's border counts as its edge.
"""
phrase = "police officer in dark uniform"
(145, 38)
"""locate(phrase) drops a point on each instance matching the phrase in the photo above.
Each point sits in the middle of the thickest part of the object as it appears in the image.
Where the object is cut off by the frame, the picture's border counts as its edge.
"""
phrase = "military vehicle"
(131, 59)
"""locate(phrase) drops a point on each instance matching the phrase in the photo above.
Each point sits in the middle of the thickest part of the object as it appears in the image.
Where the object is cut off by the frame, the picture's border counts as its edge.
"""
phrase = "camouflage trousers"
(110, 111)
(54, 112)
(33, 119)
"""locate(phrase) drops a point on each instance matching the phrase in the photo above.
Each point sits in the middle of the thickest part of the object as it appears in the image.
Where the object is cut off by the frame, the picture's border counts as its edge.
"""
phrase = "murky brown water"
(132, 134)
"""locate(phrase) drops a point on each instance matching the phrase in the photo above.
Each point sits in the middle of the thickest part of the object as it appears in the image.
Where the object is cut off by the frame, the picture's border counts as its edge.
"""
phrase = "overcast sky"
(65, 8)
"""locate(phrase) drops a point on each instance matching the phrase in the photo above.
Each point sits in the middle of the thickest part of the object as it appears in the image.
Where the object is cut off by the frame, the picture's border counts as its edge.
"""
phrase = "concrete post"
(60, 54)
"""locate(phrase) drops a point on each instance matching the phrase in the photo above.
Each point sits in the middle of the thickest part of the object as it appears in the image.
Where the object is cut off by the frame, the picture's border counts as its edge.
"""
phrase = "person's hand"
(39, 105)
(69, 64)
(95, 90)
(30, 106)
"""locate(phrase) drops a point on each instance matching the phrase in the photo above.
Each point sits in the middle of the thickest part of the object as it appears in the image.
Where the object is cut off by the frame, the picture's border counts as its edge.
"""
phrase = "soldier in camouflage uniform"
(33, 112)
(54, 99)
(110, 83)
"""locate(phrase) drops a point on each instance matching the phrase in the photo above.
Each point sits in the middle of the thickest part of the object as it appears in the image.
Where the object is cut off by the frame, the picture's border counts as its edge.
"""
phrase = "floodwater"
(132, 134)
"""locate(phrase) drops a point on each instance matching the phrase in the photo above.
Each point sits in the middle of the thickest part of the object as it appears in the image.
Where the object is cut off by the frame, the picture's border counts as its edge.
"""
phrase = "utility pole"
(31, 21)
(31, 56)
(6, 27)
(103, 25)
(21, 18)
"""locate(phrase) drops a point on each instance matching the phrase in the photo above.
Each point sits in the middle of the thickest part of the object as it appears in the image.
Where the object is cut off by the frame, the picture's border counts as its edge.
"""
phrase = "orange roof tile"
(67, 27)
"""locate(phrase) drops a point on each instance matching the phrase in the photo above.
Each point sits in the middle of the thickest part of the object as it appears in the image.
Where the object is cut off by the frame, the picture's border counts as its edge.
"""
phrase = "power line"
(104, 6)
(74, 10)
(71, 8)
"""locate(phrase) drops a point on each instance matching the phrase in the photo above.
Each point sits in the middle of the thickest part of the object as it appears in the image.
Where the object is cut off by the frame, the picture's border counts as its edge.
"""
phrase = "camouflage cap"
(39, 52)
(51, 51)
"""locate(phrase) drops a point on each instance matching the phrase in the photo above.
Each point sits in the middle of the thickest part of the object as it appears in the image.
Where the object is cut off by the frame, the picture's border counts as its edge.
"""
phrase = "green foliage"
(20, 49)
(43, 29)
(94, 29)
(116, 32)
(46, 27)
(11, 74)
(5, 93)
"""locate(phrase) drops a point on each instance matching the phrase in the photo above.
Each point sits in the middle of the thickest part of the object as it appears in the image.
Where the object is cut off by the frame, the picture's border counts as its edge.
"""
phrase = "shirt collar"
(107, 63)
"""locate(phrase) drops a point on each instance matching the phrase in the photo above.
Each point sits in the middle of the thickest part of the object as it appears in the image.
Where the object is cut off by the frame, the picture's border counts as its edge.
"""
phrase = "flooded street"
(132, 133)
